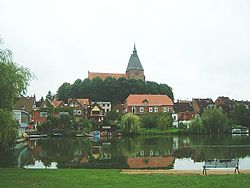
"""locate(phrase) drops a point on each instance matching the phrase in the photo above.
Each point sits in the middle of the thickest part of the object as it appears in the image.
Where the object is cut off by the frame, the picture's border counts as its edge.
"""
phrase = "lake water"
(164, 152)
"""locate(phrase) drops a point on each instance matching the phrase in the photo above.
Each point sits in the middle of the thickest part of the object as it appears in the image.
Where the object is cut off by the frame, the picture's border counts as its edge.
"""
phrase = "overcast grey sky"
(201, 48)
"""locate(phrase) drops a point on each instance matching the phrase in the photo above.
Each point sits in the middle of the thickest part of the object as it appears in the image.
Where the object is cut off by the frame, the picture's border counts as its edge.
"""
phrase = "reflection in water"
(184, 152)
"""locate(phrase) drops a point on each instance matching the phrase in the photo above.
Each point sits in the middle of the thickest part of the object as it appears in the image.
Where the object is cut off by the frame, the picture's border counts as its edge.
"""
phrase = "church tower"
(134, 68)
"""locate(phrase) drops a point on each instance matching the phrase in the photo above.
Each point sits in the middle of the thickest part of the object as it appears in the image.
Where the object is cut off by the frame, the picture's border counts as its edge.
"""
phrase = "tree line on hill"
(110, 89)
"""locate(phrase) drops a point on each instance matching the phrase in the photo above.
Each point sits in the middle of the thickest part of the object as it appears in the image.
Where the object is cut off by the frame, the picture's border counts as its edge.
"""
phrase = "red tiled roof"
(103, 76)
(56, 103)
(149, 100)
(150, 162)
(83, 102)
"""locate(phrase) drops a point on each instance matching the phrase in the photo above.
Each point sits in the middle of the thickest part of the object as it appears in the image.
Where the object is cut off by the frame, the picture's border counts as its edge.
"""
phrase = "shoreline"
(184, 172)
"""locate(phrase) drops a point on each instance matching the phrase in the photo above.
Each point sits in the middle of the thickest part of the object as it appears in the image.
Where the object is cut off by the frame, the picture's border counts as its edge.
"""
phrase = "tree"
(63, 92)
(49, 96)
(130, 123)
(164, 121)
(13, 83)
(111, 118)
(241, 115)
(214, 120)
(85, 125)
(149, 121)
(196, 125)
(8, 129)
(110, 89)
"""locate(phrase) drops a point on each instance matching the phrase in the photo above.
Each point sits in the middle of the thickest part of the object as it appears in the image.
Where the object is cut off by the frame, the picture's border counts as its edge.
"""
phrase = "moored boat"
(240, 131)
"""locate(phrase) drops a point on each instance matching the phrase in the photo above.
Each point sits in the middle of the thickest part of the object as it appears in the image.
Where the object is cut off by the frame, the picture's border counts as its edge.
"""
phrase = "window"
(79, 112)
(156, 109)
(43, 114)
(74, 112)
(63, 113)
(133, 109)
(145, 101)
(141, 109)
(165, 109)
(150, 109)
(174, 117)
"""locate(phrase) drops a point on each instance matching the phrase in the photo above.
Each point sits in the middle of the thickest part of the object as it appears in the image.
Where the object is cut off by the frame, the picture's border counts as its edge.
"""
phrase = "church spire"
(134, 61)
(135, 51)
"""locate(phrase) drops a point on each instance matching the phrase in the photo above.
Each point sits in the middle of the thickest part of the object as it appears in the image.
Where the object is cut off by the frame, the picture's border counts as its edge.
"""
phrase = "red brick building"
(140, 104)
(134, 70)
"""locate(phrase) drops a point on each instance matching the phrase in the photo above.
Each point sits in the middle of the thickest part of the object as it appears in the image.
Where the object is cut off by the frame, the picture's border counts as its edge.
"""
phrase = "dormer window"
(145, 101)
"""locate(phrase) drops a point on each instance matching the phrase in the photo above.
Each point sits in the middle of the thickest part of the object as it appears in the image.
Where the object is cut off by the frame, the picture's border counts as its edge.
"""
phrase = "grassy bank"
(154, 131)
(112, 178)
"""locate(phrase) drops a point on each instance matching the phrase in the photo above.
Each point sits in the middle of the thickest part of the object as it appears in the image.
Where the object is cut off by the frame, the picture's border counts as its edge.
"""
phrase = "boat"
(57, 134)
(240, 131)
(31, 136)
(83, 134)
(91, 134)
(95, 133)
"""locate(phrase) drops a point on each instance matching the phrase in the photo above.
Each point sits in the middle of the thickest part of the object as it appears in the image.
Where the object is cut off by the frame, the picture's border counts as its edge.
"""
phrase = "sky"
(200, 48)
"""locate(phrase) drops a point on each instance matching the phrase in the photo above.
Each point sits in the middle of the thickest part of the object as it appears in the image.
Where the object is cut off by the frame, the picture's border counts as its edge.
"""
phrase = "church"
(134, 70)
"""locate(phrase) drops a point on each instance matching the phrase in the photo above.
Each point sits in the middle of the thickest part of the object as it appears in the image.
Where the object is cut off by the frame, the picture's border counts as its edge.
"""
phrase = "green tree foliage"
(8, 129)
(157, 120)
(130, 123)
(213, 120)
(62, 123)
(111, 89)
(196, 125)
(164, 121)
(13, 83)
(86, 125)
(111, 118)
(241, 115)
(149, 121)
(49, 96)
(63, 92)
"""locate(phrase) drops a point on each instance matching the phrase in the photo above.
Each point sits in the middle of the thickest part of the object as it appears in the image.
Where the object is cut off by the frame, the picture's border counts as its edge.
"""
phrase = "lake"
(151, 152)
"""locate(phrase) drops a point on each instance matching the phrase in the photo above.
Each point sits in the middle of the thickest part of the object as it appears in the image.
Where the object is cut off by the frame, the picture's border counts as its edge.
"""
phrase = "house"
(26, 104)
(106, 106)
(183, 113)
(140, 104)
(134, 70)
(22, 118)
(96, 113)
(43, 111)
(81, 108)
(120, 108)
(225, 103)
(199, 105)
